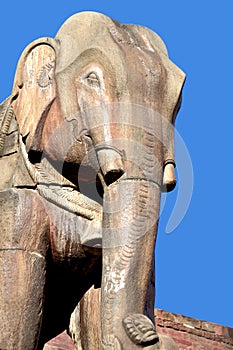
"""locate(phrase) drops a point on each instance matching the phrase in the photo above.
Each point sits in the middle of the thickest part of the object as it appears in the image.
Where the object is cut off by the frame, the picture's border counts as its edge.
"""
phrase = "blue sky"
(194, 261)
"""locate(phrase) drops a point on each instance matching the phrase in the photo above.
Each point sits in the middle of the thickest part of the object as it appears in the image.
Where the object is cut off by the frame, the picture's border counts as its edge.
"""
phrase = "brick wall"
(192, 334)
(188, 333)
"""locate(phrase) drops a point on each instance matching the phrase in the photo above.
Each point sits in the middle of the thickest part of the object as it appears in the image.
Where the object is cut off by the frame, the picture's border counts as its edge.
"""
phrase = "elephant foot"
(140, 329)
(164, 342)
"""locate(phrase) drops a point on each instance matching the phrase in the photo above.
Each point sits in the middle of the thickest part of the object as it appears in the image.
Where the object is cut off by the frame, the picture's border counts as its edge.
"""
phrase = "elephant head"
(101, 99)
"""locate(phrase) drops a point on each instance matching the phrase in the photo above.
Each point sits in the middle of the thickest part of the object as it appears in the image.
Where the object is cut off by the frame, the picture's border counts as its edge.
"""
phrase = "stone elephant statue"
(86, 148)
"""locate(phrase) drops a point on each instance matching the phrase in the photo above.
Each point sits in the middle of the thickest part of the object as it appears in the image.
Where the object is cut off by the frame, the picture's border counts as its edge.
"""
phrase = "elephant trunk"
(131, 211)
(131, 158)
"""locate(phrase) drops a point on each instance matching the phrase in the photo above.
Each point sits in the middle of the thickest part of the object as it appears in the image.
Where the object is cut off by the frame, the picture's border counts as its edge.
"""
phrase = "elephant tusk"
(169, 177)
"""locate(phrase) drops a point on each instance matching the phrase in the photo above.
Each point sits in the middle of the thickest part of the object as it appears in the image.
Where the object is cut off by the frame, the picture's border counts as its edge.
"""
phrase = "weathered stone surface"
(85, 323)
(61, 342)
(23, 246)
(192, 334)
(92, 149)
(189, 333)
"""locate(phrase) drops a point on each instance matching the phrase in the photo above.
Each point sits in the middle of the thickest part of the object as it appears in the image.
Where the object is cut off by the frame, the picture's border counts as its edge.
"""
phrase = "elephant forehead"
(143, 71)
(87, 30)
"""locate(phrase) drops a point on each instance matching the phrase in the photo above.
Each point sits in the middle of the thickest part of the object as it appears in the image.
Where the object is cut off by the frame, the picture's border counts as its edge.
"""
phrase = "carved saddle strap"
(6, 115)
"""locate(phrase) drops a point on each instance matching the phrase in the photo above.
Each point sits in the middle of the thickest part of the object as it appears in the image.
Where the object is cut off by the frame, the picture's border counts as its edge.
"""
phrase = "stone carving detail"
(140, 329)
(86, 147)
(111, 343)
(45, 76)
(5, 120)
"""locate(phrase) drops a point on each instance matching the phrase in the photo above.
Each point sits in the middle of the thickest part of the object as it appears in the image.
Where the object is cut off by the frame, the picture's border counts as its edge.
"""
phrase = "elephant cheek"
(64, 144)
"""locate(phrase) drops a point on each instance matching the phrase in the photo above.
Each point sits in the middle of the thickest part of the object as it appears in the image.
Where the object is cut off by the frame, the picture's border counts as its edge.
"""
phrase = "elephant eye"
(93, 79)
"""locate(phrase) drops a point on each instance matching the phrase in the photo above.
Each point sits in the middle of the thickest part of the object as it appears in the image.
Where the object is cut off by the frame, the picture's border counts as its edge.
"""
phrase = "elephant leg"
(128, 257)
(85, 322)
(65, 287)
(23, 246)
(21, 299)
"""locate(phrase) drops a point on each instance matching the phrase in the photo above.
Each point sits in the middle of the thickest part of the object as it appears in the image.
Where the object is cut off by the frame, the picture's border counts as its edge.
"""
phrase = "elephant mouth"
(78, 189)
(61, 185)
(74, 187)
(83, 179)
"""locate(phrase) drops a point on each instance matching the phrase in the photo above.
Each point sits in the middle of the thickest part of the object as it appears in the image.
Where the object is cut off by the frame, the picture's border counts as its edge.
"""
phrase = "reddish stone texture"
(188, 333)
(61, 342)
(193, 334)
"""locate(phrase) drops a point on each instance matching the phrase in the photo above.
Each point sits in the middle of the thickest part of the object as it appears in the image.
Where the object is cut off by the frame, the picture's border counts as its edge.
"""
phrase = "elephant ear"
(173, 97)
(175, 79)
(171, 102)
(34, 89)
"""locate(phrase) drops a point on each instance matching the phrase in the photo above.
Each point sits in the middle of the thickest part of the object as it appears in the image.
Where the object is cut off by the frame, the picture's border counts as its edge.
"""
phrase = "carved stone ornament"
(140, 329)
(86, 147)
